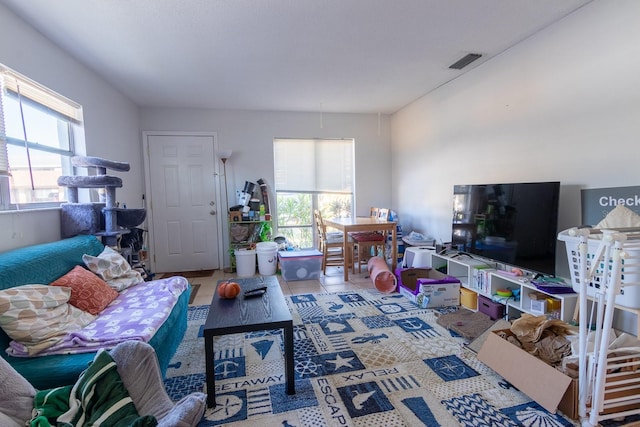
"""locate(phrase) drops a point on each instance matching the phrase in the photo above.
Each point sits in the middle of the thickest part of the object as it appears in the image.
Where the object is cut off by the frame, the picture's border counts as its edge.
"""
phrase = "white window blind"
(314, 165)
(35, 92)
(4, 158)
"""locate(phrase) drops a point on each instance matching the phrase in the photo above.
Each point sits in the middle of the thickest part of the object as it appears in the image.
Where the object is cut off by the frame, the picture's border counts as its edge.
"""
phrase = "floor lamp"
(224, 155)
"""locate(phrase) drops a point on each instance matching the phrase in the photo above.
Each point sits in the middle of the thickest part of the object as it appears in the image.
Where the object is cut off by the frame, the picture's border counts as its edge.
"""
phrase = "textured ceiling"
(360, 56)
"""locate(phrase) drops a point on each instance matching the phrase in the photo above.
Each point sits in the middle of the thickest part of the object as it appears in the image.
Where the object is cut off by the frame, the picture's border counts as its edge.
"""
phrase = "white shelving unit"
(463, 268)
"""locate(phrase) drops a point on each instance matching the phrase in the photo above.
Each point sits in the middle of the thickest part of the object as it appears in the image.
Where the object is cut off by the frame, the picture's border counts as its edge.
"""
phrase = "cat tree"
(105, 219)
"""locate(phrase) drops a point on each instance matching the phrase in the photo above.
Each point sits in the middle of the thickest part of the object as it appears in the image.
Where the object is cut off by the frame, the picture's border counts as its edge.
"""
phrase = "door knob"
(212, 212)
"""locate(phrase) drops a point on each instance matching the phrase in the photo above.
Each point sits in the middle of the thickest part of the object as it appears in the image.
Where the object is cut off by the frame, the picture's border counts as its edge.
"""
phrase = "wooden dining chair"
(368, 244)
(331, 246)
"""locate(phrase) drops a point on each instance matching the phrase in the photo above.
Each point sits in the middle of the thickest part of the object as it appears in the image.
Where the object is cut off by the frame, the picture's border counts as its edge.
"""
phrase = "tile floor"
(333, 281)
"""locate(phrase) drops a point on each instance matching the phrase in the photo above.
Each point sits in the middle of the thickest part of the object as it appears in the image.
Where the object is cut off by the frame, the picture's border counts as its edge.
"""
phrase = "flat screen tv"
(515, 224)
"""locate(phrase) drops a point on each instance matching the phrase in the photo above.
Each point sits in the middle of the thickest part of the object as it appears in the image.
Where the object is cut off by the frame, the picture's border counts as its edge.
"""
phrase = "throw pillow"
(38, 316)
(88, 292)
(128, 279)
(113, 268)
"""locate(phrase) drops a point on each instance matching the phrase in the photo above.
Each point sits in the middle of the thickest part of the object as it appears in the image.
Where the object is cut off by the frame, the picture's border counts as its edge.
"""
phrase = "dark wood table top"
(229, 316)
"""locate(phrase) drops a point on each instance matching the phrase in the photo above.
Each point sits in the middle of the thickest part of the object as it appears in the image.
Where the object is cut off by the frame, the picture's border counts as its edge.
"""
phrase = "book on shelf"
(481, 277)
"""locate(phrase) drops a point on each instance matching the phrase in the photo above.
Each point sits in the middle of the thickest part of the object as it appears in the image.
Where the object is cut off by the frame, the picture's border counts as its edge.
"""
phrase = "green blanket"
(97, 398)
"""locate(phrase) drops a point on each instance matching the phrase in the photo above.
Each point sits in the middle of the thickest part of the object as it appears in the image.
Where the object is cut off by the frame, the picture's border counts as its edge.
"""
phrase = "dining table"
(359, 224)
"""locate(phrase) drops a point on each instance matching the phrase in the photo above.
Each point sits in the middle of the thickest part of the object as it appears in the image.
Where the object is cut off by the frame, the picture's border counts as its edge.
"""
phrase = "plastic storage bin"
(300, 265)
(469, 299)
(493, 309)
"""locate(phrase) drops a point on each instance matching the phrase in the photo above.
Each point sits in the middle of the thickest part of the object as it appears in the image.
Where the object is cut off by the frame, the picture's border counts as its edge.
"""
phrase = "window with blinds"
(311, 174)
(37, 130)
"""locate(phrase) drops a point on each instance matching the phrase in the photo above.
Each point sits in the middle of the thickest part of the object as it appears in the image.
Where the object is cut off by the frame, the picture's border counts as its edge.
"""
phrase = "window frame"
(67, 112)
(315, 194)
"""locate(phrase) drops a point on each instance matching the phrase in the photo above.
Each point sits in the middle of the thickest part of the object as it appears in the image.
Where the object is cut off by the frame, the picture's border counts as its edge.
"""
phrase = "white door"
(183, 203)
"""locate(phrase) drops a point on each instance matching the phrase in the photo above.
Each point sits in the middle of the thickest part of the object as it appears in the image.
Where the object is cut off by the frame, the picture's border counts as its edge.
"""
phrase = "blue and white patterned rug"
(362, 359)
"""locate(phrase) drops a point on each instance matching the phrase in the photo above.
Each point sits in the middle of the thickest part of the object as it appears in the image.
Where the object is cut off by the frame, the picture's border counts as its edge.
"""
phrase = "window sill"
(38, 209)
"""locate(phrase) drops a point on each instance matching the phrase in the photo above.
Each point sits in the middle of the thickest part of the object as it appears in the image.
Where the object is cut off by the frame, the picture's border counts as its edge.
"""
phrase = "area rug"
(362, 359)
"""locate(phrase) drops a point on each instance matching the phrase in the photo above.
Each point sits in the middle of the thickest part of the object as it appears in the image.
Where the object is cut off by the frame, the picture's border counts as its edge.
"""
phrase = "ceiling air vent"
(464, 61)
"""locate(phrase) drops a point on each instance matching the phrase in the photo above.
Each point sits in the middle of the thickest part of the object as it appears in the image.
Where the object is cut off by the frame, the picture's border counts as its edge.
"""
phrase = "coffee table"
(240, 315)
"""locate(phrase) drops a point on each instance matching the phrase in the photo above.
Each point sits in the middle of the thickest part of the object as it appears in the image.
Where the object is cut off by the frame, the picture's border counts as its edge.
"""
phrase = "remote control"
(257, 292)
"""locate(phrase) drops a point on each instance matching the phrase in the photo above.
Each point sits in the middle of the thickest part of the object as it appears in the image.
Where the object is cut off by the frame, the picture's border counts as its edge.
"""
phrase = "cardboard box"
(410, 281)
(569, 403)
(539, 306)
(548, 386)
(538, 380)
(436, 294)
(408, 278)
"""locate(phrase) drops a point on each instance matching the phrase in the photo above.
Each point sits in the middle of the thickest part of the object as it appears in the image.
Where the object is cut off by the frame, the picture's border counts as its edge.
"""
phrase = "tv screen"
(515, 224)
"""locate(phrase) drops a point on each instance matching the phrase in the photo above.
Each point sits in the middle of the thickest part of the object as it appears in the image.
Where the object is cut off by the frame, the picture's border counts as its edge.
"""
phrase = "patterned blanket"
(136, 314)
(97, 398)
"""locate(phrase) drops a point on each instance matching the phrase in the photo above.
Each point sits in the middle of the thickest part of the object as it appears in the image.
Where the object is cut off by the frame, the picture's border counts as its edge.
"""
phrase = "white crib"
(605, 268)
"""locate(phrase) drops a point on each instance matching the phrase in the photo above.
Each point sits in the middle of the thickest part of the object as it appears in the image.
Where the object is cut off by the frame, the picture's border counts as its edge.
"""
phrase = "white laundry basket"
(267, 257)
(629, 295)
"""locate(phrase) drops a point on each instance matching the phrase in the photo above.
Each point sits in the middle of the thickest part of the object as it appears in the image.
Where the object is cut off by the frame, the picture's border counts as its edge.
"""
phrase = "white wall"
(113, 130)
(24, 228)
(563, 105)
(251, 133)
(111, 121)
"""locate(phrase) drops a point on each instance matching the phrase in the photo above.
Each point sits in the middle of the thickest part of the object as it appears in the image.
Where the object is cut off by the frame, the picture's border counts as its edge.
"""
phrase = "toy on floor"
(383, 279)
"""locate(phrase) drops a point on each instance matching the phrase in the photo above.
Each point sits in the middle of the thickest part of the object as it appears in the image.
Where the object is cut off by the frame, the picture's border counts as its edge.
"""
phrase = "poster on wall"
(598, 202)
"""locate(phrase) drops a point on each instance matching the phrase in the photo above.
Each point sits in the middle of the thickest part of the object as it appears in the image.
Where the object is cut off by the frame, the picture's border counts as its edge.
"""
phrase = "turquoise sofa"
(44, 263)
